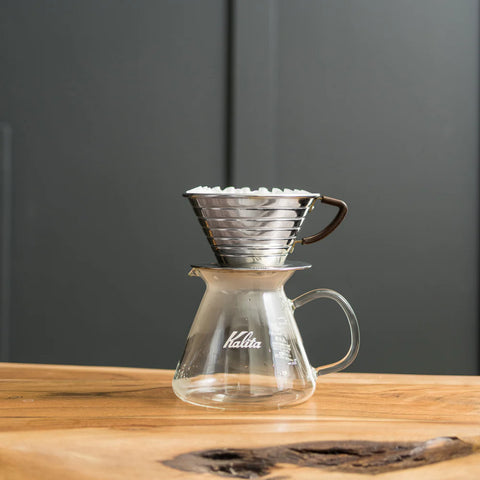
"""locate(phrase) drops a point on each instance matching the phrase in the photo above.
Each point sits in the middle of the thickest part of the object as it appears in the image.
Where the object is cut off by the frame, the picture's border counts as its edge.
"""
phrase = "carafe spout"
(193, 273)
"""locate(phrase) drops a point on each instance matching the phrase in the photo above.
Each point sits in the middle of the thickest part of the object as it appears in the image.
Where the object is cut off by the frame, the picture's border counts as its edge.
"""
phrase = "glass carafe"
(244, 350)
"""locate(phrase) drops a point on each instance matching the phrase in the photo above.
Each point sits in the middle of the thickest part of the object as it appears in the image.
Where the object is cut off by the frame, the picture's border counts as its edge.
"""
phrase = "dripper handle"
(352, 322)
(342, 211)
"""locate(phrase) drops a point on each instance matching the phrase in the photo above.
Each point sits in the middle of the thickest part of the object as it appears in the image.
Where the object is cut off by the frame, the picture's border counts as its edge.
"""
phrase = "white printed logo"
(242, 339)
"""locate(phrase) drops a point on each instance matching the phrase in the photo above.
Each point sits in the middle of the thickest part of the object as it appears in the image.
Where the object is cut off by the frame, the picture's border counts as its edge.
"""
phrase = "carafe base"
(238, 396)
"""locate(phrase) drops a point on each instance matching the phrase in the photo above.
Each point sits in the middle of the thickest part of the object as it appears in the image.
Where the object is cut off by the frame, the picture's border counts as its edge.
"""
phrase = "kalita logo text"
(243, 339)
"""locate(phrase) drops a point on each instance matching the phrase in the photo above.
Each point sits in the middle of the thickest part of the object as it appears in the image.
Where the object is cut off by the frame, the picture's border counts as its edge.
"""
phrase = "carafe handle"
(352, 322)
(342, 211)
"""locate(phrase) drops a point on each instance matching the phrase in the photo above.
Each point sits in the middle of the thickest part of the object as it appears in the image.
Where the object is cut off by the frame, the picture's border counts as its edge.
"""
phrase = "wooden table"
(59, 422)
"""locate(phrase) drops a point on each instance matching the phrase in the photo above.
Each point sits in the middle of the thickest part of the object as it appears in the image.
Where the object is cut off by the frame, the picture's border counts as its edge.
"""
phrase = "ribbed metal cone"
(251, 230)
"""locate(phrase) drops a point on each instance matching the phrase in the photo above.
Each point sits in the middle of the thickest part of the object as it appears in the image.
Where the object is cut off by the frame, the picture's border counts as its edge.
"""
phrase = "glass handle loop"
(352, 322)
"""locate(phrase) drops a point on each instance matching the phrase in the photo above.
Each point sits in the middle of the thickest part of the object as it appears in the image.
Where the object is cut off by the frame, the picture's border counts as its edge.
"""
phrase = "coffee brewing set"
(244, 350)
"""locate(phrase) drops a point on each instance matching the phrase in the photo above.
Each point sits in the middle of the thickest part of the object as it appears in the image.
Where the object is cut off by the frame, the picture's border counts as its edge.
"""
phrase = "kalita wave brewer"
(244, 350)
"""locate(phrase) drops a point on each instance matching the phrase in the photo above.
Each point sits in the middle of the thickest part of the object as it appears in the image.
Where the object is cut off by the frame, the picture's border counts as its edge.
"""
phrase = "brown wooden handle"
(342, 211)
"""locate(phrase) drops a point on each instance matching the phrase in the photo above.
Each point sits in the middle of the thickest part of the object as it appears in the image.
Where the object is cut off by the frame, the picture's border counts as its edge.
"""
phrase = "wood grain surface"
(119, 423)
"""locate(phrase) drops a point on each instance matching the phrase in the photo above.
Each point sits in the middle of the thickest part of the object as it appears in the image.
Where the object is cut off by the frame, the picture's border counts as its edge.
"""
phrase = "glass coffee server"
(244, 350)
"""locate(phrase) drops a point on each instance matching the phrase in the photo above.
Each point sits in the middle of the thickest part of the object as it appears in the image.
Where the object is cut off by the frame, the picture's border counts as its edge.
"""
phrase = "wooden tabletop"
(59, 422)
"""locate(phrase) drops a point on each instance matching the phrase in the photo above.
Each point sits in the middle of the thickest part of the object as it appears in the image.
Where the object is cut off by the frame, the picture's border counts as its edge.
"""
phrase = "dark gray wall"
(116, 108)
(378, 104)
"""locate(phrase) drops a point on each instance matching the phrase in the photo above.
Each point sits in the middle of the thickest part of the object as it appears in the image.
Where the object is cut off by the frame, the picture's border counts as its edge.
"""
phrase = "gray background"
(112, 109)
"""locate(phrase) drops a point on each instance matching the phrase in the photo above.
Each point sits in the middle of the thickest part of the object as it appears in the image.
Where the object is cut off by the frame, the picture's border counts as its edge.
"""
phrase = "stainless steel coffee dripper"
(258, 230)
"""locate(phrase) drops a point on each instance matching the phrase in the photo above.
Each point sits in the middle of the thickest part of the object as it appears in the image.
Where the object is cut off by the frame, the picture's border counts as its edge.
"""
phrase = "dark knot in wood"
(342, 456)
